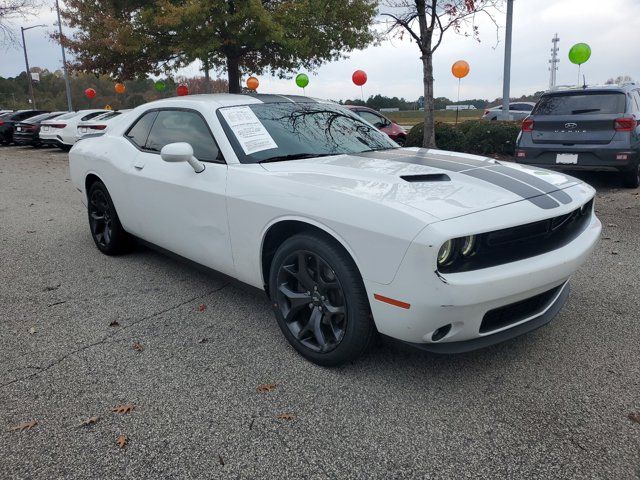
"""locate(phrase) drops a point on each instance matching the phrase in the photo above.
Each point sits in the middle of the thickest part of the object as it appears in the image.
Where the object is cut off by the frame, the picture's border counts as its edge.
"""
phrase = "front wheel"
(631, 179)
(106, 230)
(319, 300)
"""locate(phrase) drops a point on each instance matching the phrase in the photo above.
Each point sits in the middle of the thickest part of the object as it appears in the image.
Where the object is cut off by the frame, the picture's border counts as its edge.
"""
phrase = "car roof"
(592, 88)
(232, 99)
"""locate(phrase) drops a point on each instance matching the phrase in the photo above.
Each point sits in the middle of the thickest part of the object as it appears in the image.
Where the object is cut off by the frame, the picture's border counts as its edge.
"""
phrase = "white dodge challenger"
(349, 234)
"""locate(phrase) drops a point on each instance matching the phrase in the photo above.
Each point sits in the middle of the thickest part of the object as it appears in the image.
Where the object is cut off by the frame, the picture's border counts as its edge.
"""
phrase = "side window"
(525, 107)
(636, 97)
(372, 118)
(139, 131)
(173, 126)
(515, 107)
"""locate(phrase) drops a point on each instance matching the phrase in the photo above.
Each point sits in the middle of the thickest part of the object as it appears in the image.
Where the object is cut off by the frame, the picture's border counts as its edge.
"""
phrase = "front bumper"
(462, 300)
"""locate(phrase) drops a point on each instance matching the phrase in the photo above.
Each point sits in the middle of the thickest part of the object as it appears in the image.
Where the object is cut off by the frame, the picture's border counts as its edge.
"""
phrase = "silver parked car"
(518, 111)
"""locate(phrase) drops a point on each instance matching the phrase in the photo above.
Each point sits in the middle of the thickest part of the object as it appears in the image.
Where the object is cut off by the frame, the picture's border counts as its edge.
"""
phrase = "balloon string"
(458, 102)
(579, 66)
(362, 92)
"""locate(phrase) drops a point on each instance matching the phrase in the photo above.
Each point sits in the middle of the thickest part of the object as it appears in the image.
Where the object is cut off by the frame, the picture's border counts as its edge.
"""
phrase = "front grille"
(516, 312)
(524, 241)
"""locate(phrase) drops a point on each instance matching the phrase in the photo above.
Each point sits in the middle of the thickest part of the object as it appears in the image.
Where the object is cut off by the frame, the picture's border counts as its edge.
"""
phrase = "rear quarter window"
(605, 103)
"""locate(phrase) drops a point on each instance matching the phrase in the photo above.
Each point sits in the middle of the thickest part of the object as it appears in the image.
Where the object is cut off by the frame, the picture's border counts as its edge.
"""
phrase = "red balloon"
(359, 77)
(182, 90)
(90, 93)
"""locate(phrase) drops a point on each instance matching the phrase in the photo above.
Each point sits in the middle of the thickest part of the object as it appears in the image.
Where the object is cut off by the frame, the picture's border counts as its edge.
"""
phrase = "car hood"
(443, 184)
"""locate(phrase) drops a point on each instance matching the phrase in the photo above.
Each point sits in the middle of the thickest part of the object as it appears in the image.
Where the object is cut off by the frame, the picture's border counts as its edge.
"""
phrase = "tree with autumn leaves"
(129, 38)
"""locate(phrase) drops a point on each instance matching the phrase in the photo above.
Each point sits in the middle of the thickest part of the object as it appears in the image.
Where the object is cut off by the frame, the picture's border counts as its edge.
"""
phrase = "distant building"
(460, 107)
(390, 109)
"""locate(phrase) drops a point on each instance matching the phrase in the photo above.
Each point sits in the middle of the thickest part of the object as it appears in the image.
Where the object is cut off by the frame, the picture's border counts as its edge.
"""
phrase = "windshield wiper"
(585, 110)
(295, 156)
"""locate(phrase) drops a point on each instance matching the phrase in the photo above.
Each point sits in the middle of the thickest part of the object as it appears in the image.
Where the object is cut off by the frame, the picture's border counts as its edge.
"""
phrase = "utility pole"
(554, 61)
(506, 79)
(26, 61)
(64, 62)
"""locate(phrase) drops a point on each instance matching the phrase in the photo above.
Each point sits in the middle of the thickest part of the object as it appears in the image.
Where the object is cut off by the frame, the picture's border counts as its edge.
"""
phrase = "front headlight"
(468, 246)
(445, 255)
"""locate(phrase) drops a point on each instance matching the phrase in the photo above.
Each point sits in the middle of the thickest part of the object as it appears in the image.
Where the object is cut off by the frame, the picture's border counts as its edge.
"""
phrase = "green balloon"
(580, 53)
(302, 80)
(160, 85)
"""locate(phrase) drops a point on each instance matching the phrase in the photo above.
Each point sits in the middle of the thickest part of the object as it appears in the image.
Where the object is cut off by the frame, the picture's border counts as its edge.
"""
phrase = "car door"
(175, 207)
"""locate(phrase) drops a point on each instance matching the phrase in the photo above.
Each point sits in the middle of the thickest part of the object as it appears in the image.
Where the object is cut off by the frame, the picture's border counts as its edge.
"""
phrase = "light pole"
(26, 61)
(64, 62)
(506, 79)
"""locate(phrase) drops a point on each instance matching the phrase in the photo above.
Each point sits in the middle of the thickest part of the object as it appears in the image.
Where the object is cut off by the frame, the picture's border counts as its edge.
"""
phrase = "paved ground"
(552, 404)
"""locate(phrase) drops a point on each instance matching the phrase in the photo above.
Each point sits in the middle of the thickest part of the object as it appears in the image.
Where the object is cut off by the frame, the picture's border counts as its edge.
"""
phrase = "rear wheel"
(631, 179)
(106, 230)
(401, 141)
(65, 148)
(320, 301)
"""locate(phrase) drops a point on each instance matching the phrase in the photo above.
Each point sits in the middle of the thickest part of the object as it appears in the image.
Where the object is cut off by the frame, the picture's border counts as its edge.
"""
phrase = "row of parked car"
(60, 129)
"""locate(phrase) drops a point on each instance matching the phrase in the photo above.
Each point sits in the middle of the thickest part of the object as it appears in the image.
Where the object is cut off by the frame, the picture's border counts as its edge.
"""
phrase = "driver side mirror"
(181, 152)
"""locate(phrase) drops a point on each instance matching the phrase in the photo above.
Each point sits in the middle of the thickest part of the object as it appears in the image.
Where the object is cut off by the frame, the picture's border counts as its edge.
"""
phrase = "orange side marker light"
(391, 301)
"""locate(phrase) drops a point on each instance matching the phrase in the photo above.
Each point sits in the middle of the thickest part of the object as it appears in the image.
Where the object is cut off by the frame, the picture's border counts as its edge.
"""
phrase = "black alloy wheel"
(319, 300)
(312, 302)
(100, 219)
(106, 230)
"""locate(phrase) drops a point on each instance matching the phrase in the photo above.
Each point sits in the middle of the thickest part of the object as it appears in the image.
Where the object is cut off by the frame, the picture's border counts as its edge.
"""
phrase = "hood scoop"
(426, 177)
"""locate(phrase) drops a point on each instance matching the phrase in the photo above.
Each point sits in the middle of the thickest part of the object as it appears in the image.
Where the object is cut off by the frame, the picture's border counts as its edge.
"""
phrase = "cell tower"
(553, 68)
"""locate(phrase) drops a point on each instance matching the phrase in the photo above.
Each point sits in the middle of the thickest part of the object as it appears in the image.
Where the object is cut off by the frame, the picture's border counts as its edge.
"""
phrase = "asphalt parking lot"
(557, 403)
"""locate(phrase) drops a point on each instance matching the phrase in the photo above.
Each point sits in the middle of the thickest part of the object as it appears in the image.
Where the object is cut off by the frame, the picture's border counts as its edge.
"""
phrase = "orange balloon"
(120, 88)
(460, 69)
(252, 83)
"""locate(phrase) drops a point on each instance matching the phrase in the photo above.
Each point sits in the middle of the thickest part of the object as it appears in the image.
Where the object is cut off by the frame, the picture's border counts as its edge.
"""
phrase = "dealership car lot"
(554, 403)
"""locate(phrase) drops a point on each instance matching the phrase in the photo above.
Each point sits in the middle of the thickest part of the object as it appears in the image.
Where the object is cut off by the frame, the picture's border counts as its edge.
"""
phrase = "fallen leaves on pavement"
(635, 417)
(202, 307)
(127, 408)
(89, 421)
(24, 426)
(286, 416)
(115, 323)
(137, 346)
(32, 330)
(121, 441)
(266, 387)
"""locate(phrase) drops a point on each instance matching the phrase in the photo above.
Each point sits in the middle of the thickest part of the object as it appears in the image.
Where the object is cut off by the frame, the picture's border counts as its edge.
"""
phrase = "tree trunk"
(429, 138)
(207, 76)
(233, 72)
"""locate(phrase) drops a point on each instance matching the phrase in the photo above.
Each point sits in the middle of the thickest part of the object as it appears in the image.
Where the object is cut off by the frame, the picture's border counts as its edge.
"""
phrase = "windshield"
(286, 131)
(581, 103)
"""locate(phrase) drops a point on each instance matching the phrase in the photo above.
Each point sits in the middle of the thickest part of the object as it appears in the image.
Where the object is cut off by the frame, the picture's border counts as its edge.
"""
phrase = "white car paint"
(99, 124)
(50, 133)
(393, 229)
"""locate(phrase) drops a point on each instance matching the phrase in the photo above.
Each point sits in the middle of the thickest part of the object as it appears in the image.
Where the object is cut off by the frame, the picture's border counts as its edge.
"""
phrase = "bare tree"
(426, 22)
(12, 10)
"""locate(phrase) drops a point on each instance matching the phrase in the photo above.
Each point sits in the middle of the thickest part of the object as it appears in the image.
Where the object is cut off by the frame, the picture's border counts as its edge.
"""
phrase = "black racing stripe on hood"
(416, 160)
(482, 172)
(535, 182)
(514, 186)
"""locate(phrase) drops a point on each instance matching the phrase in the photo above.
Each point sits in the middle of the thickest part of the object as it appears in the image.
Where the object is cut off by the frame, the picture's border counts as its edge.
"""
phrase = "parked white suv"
(517, 110)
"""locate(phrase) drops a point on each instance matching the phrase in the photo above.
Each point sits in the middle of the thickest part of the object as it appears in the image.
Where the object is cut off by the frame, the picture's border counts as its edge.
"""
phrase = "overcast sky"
(611, 28)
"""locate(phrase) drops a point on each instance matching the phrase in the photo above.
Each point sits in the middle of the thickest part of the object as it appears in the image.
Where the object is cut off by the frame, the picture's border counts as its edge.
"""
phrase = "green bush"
(473, 136)
(447, 136)
(490, 138)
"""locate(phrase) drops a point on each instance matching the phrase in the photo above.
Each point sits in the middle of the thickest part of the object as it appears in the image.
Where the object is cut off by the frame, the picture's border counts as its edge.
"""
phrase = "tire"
(104, 224)
(327, 302)
(401, 141)
(631, 179)
(65, 148)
